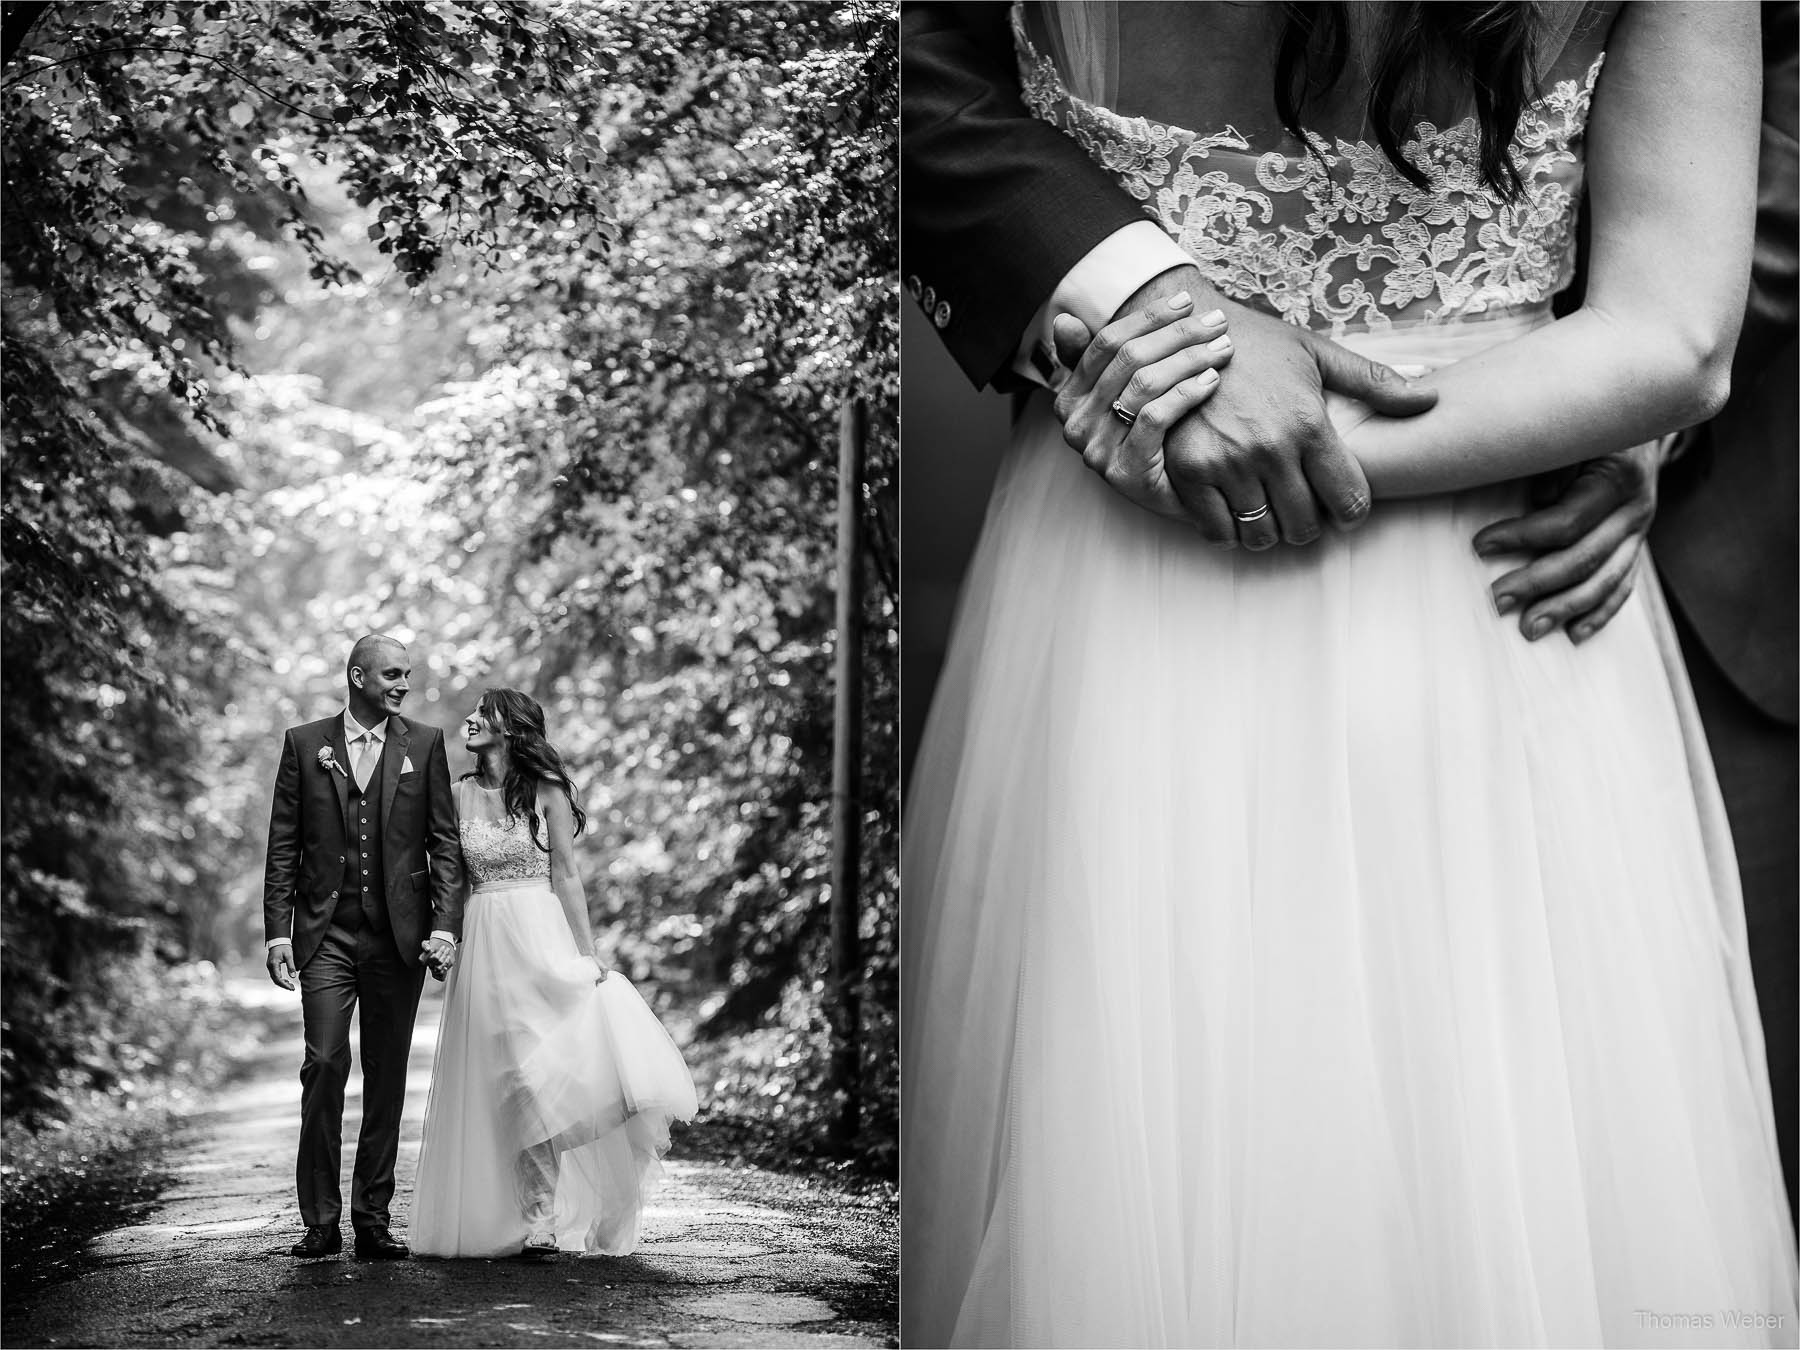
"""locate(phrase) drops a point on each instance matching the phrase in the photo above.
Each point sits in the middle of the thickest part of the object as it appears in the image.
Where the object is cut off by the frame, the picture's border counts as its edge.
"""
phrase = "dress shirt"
(354, 729)
(1093, 290)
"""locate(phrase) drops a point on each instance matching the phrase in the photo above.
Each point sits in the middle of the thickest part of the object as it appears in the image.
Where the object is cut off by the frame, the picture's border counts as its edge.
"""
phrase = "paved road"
(733, 1256)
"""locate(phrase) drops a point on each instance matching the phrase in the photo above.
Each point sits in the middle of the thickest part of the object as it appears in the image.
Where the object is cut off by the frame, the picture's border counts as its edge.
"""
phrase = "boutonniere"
(327, 760)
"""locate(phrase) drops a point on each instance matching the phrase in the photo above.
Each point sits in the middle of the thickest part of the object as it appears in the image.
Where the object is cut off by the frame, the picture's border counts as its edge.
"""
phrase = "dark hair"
(1491, 45)
(531, 759)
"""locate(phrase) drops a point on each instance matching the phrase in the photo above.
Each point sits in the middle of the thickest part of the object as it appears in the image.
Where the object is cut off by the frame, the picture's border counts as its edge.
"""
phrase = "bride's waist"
(510, 884)
(1416, 348)
(1419, 349)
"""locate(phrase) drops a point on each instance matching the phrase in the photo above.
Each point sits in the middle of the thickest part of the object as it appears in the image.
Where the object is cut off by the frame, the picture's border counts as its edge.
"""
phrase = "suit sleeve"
(444, 845)
(281, 867)
(997, 206)
(1770, 317)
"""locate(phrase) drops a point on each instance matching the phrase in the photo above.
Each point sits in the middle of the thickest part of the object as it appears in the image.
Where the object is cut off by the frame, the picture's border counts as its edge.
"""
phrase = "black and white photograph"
(1349, 674)
(451, 692)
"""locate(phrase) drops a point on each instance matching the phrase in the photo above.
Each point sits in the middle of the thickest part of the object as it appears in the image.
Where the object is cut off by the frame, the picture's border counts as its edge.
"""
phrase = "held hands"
(280, 961)
(439, 956)
(1249, 457)
(1130, 384)
(1149, 405)
(1586, 536)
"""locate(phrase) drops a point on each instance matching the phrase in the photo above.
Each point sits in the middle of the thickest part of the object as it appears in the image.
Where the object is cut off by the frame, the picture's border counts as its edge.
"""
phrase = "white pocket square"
(406, 764)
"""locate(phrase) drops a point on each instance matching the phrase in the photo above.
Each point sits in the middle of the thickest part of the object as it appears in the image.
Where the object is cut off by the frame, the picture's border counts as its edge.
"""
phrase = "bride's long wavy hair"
(531, 758)
(1489, 45)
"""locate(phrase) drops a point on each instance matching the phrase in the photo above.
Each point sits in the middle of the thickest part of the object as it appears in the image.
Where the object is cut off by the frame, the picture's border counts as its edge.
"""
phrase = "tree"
(128, 130)
(655, 446)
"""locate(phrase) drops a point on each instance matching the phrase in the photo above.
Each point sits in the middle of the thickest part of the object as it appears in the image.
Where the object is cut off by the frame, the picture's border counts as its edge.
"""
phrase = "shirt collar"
(353, 728)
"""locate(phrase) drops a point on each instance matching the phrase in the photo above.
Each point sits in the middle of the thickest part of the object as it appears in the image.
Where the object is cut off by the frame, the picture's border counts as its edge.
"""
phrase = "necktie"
(361, 764)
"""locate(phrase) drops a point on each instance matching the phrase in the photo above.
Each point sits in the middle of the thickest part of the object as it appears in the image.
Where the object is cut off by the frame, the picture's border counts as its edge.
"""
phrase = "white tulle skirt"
(550, 1094)
(1295, 955)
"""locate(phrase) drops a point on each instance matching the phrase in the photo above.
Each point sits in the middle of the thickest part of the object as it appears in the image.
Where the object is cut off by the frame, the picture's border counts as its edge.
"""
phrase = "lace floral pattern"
(500, 850)
(1338, 240)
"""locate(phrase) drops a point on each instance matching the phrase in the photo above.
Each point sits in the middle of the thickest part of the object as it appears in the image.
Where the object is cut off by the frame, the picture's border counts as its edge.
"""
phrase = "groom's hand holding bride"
(1581, 542)
(1212, 449)
(439, 956)
(1249, 459)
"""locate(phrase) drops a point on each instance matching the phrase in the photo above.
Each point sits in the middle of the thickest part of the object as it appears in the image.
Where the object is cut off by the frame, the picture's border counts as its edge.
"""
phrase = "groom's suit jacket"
(310, 837)
(1725, 538)
(998, 206)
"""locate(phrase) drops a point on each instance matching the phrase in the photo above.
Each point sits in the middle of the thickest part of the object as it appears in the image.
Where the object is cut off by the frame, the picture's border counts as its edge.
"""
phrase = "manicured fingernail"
(1505, 604)
(1207, 377)
(1483, 549)
(1580, 633)
(1180, 300)
(1538, 627)
(1220, 343)
(1213, 316)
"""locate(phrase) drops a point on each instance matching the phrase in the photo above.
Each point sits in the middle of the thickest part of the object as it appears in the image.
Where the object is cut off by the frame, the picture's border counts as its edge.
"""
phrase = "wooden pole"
(846, 782)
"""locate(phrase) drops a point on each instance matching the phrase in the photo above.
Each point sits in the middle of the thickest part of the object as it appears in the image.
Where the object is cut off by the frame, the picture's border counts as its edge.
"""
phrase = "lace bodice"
(1339, 240)
(495, 847)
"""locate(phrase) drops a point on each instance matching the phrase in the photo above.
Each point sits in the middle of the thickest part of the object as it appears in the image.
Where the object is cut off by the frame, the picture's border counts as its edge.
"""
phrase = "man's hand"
(1260, 437)
(1587, 535)
(280, 961)
(439, 956)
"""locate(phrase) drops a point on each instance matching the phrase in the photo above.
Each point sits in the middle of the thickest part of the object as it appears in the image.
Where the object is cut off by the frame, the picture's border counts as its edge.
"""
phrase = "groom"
(363, 859)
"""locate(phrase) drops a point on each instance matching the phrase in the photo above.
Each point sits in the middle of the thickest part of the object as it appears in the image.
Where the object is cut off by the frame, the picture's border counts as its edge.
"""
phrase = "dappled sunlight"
(472, 326)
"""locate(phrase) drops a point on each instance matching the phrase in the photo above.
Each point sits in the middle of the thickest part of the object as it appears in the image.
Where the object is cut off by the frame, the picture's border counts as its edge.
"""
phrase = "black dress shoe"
(377, 1244)
(322, 1239)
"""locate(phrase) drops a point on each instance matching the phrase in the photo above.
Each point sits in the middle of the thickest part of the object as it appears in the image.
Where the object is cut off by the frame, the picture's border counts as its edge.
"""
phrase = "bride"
(553, 1085)
(1293, 955)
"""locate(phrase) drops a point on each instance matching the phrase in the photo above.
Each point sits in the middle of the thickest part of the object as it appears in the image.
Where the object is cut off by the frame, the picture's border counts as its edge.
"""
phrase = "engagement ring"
(1123, 413)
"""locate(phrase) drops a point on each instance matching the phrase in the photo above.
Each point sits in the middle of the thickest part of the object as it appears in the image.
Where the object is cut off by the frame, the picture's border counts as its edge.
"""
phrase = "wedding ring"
(1123, 413)
(1251, 517)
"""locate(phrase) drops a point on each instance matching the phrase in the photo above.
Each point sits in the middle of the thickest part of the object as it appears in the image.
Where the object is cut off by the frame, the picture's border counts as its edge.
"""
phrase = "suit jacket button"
(913, 287)
(941, 316)
(929, 300)
(334, 895)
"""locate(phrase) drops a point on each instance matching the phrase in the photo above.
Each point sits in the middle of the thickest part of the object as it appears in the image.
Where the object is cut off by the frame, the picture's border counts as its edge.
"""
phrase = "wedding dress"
(1294, 954)
(551, 1095)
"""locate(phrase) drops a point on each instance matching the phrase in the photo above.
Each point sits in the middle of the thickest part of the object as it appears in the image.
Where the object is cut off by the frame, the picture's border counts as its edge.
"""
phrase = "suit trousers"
(1755, 757)
(354, 963)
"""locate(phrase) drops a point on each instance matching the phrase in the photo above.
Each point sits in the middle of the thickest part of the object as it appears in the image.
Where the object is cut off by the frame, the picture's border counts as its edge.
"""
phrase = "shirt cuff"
(1093, 290)
(273, 943)
(446, 937)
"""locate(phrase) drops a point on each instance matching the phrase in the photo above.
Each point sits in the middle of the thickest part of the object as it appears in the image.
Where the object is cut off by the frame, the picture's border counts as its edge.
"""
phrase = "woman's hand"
(1261, 465)
(1135, 379)
(600, 968)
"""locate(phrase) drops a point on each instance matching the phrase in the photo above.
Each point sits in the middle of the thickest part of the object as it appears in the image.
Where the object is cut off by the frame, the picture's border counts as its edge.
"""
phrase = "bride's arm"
(565, 880)
(1672, 147)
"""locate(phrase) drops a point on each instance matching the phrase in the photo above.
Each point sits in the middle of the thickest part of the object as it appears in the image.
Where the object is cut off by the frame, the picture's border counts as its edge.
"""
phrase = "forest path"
(733, 1255)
